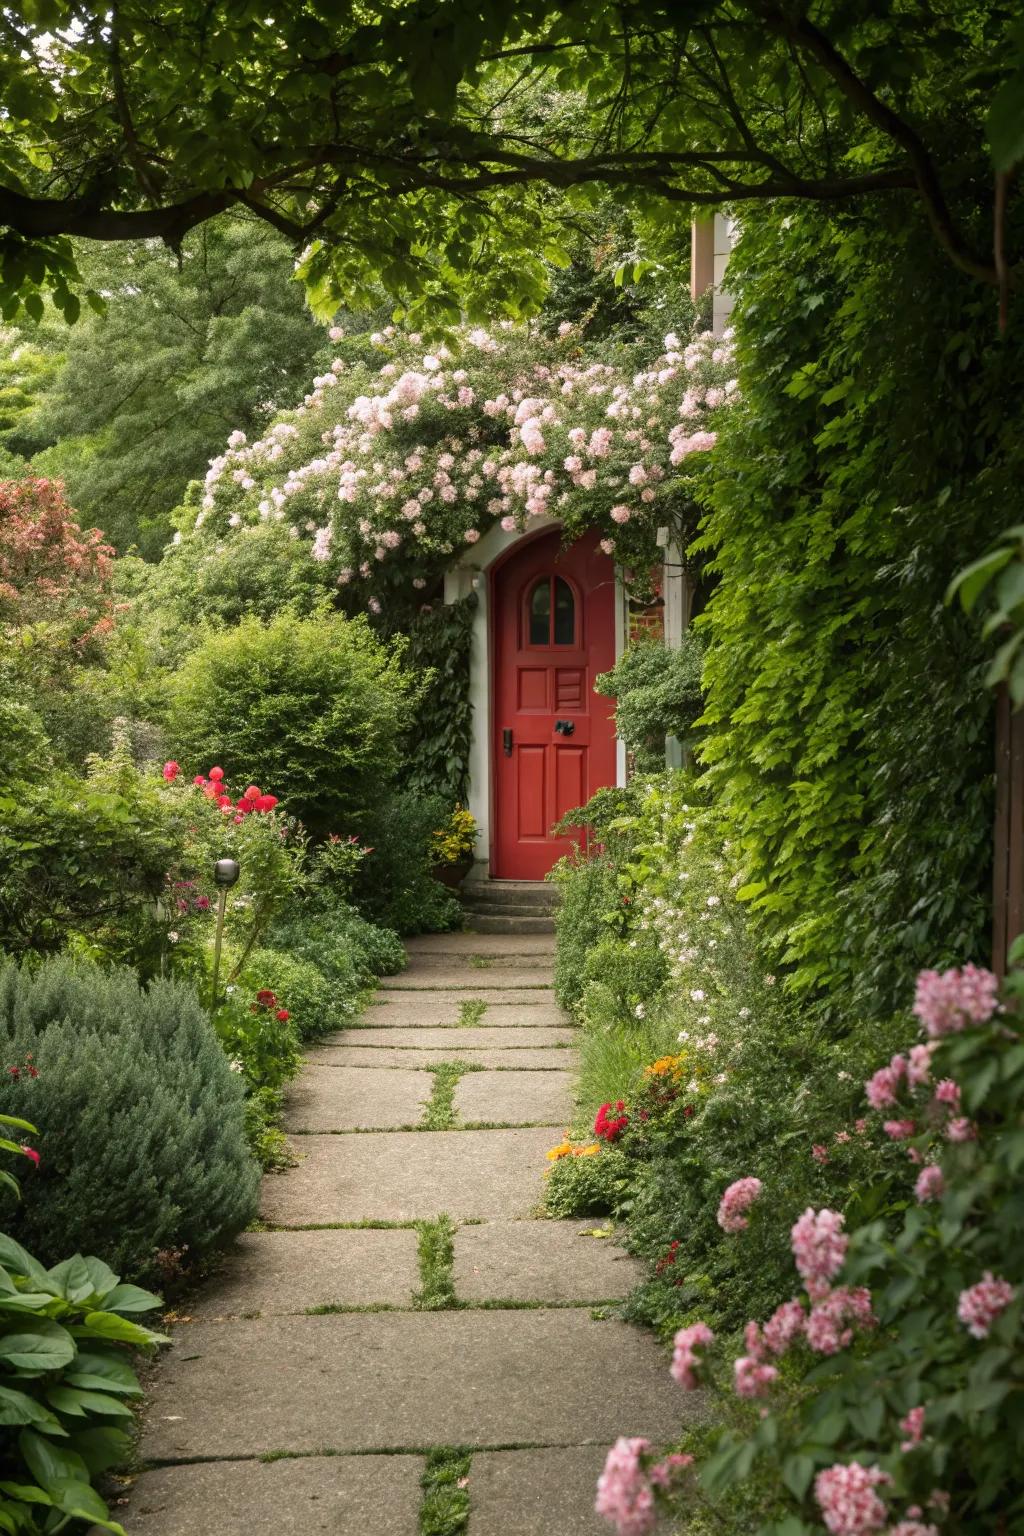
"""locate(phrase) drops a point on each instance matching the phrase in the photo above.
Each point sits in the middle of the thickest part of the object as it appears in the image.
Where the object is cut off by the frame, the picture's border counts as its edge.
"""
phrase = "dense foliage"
(142, 1148)
(658, 692)
(414, 151)
(314, 706)
(67, 1336)
(848, 736)
(191, 343)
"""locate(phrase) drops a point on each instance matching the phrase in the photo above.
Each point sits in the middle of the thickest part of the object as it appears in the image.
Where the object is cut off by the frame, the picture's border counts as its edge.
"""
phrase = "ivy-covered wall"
(872, 455)
(437, 748)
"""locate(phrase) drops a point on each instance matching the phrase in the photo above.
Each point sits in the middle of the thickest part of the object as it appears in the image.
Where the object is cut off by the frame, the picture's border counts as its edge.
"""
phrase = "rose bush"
(888, 1397)
(385, 472)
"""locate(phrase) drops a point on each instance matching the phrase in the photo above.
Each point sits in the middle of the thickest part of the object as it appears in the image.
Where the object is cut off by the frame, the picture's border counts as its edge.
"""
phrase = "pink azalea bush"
(391, 465)
(889, 1396)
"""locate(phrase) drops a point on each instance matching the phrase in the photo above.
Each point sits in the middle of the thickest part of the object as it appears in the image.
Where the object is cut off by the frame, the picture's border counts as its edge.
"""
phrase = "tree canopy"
(417, 145)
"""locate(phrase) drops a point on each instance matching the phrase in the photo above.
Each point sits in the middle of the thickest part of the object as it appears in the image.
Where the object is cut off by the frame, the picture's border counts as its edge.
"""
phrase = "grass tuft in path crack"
(445, 1507)
(436, 1254)
(471, 1011)
(439, 1110)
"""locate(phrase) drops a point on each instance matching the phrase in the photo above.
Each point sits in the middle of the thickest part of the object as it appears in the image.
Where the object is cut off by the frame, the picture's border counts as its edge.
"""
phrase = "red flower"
(253, 792)
(610, 1127)
(199, 781)
(265, 997)
(244, 806)
(32, 1154)
(171, 771)
(283, 1015)
(216, 773)
(203, 903)
(15, 1072)
(266, 802)
(223, 800)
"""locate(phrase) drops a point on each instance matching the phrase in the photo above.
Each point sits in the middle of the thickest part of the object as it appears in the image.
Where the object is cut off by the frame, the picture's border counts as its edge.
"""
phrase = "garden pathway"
(405, 1333)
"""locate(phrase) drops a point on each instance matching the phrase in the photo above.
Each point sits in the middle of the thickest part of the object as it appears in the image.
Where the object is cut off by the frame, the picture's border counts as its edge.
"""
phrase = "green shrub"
(587, 886)
(257, 1041)
(312, 707)
(620, 976)
(657, 692)
(67, 1383)
(82, 862)
(301, 987)
(395, 887)
(141, 1119)
(348, 949)
(587, 1185)
(24, 748)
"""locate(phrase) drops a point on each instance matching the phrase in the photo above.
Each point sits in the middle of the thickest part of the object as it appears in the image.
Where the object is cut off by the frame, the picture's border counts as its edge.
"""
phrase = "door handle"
(506, 741)
(565, 727)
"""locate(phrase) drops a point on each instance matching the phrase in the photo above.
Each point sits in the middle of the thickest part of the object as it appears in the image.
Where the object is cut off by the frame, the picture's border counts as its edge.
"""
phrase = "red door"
(553, 740)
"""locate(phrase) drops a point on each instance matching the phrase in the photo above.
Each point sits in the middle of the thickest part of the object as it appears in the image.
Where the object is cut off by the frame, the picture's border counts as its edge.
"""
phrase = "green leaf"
(14, 1258)
(28, 1493)
(1005, 123)
(50, 1464)
(797, 1471)
(37, 1346)
(971, 582)
(19, 1408)
(130, 1298)
(107, 1325)
(75, 1400)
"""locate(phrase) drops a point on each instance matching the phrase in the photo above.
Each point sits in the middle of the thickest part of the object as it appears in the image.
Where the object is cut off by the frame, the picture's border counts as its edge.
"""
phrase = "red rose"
(266, 802)
(265, 997)
(199, 781)
(171, 771)
(253, 792)
(216, 773)
(283, 1015)
(223, 800)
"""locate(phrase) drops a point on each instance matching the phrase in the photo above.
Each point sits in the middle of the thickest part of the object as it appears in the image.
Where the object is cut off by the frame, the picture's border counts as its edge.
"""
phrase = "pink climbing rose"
(930, 1183)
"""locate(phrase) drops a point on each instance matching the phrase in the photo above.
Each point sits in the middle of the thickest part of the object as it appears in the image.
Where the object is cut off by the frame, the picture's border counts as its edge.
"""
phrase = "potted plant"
(452, 847)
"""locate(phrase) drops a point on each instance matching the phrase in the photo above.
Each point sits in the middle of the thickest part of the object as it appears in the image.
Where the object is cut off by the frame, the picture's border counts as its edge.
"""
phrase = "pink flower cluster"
(738, 1199)
(625, 1489)
(827, 1330)
(624, 1494)
(819, 1249)
(847, 1498)
(945, 1003)
(981, 1304)
(912, 1426)
(685, 1360)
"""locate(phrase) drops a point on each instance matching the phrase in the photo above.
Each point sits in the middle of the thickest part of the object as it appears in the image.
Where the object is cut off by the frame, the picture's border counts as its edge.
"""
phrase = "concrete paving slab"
(398, 1380)
(550, 1059)
(482, 1037)
(548, 1492)
(427, 1011)
(486, 944)
(345, 1100)
(523, 979)
(332, 1495)
(540, 1261)
(409, 1176)
(511, 1098)
(275, 1273)
(535, 965)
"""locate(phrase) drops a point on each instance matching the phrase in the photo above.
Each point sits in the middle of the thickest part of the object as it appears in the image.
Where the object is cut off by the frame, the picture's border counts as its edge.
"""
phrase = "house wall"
(470, 575)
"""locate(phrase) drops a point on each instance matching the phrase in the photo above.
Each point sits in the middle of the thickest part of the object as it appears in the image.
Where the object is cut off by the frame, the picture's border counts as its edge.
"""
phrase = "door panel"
(553, 631)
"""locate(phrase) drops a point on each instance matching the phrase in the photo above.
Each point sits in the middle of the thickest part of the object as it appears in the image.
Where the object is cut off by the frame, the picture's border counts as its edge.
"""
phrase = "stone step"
(509, 909)
(537, 893)
(487, 923)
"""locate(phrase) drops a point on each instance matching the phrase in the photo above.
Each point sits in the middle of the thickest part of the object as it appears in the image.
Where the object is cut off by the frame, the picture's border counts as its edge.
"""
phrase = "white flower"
(744, 1013)
(235, 1066)
(714, 901)
(696, 996)
(173, 937)
(639, 1010)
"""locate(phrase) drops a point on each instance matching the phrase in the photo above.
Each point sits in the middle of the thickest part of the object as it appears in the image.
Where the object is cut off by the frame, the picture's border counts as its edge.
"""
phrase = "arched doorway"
(553, 738)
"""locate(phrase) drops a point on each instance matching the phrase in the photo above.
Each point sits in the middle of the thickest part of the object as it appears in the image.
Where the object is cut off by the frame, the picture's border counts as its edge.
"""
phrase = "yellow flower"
(562, 1150)
(591, 1151)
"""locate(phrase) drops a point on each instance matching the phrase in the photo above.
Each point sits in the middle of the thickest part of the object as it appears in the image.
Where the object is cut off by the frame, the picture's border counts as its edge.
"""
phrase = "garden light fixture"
(225, 873)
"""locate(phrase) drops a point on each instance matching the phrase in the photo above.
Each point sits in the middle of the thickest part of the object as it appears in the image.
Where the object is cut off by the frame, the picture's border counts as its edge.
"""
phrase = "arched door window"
(551, 612)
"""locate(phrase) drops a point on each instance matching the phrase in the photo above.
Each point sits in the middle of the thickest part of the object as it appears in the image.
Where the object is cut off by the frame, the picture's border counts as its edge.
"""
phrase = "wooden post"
(1008, 851)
